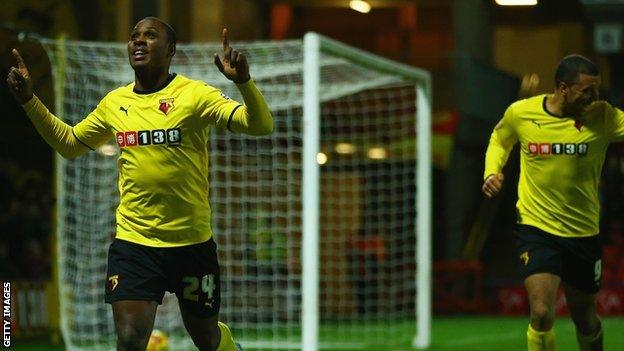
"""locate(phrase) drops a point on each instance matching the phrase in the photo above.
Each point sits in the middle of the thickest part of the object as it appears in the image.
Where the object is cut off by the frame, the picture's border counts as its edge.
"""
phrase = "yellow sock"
(227, 341)
(540, 341)
(591, 342)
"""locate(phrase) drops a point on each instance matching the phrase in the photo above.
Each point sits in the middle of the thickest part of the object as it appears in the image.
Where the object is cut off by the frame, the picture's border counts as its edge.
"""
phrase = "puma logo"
(121, 108)
(537, 124)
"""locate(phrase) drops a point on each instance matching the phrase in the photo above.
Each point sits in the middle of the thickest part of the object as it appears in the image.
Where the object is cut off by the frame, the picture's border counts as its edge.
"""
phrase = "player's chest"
(155, 121)
(546, 136)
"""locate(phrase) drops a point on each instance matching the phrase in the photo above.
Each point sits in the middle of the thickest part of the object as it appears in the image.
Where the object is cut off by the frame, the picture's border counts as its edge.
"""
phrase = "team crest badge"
(113, 281)
(525, 258)
(578, 125)
(165, 105)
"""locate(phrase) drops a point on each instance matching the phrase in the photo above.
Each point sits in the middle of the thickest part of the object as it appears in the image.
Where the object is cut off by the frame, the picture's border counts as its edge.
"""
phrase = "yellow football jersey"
(163, 161)
(561, 160)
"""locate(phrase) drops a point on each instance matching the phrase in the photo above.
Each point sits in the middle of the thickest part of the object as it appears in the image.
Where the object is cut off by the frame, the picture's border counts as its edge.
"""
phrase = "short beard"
(570, 109)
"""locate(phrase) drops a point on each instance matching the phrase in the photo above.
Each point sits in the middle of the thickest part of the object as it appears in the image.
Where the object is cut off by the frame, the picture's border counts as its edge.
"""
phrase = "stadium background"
(481, 55)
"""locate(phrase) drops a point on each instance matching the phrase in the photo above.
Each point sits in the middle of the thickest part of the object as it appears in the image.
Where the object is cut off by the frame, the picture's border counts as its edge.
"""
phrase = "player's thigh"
(542, 290)
(582, 264)
(581, 304)
(538, 252)
(135, 273)
(582, 273)
(134, 320)
(196, 279)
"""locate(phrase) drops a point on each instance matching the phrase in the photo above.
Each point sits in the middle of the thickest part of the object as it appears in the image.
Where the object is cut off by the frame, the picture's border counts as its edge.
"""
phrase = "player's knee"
(203, 344)
(542, 316)
(208, 341)
(130, 338)
(587, 324)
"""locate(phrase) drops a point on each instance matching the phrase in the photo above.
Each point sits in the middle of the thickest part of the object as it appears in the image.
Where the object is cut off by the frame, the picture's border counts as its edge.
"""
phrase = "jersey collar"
(544, 106)
(158, 88)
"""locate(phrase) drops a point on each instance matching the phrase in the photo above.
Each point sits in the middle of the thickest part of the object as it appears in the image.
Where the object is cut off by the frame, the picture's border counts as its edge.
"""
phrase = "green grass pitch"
(464, 334)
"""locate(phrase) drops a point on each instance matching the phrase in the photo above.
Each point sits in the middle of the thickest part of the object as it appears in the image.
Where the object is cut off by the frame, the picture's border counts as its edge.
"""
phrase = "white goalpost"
(323, 227)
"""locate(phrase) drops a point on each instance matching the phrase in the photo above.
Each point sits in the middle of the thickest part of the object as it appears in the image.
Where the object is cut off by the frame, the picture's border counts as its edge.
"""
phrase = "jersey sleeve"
(93, 130)
(502, 140)
(253, 118)
(54, 131)
(615, 123)
(215, 107)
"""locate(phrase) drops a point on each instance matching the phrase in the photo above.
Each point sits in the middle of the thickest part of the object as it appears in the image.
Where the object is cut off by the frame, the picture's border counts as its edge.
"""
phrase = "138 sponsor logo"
(558, 149)
(171, 136)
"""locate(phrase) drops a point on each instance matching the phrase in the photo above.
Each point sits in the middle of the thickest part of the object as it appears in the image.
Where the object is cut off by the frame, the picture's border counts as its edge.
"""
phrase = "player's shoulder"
(533, 102)
(194, 83)
(525, 106)
(120, 92)
(204, 91)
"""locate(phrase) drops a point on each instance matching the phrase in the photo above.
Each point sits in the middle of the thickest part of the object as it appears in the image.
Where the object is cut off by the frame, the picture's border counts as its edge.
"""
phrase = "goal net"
(333, 201)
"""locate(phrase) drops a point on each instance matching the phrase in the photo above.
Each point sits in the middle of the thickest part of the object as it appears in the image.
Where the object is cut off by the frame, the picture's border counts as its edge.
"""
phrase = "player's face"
(148, 45)
(581, 94)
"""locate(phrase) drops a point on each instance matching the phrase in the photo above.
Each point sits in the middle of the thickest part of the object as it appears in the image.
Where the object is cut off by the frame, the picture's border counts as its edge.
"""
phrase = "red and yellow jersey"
(561, 160)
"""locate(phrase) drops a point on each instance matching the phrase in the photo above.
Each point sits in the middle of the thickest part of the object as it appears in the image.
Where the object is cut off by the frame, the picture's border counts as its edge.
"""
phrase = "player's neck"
(145, 80)
(554, 104)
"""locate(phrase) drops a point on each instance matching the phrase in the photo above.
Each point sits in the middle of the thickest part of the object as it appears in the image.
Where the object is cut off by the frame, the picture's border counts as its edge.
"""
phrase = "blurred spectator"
(25, 223)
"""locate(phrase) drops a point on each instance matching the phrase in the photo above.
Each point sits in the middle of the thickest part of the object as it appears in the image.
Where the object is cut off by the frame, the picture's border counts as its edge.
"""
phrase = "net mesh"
(368, 189)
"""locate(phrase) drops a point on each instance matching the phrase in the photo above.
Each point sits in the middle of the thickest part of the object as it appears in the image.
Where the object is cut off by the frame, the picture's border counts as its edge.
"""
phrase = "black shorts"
(138, 272)
(578, 261)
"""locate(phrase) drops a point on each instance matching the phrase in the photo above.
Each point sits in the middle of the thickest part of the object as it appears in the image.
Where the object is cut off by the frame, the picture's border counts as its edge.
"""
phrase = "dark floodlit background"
(483, 56)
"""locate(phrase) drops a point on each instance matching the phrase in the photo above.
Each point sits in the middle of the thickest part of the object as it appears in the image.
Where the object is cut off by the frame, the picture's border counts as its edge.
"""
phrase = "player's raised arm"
(255, 117)
(54, 131)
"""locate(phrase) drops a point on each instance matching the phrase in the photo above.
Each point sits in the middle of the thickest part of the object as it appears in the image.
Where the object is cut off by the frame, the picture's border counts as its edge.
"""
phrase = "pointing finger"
(18, 57)
(224, 38)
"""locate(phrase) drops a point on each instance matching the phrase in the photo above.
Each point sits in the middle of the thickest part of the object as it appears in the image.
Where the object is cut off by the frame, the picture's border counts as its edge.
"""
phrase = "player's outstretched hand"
(19, 80)
(234, 64)
(493, 185)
